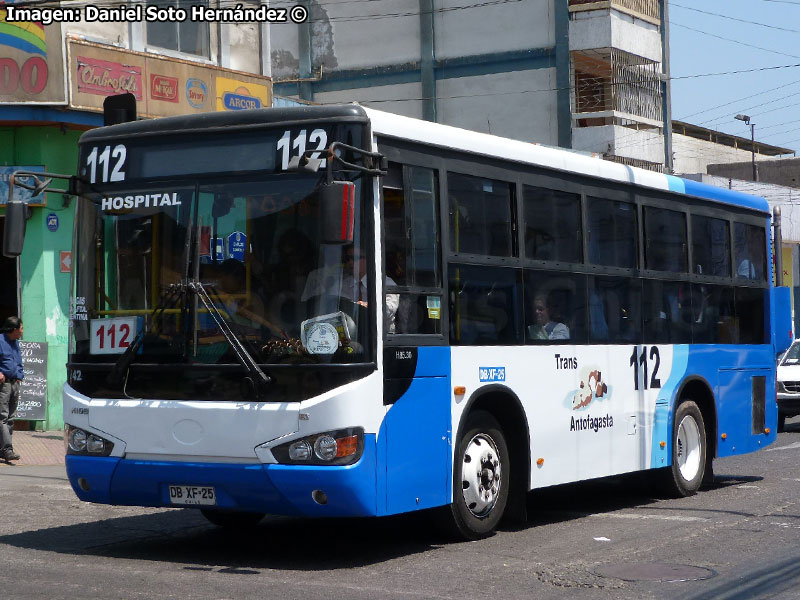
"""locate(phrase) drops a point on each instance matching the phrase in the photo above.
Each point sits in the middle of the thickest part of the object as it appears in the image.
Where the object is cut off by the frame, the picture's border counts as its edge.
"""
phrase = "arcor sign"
(31, 62)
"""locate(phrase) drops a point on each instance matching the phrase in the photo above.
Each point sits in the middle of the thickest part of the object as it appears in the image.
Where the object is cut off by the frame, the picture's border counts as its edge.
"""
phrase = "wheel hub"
(688, 450)
(481, 475)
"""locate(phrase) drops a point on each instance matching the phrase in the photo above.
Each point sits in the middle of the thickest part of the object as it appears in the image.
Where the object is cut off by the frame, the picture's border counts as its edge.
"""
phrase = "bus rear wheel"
(231, 519)
(689, 448)
(480, 478)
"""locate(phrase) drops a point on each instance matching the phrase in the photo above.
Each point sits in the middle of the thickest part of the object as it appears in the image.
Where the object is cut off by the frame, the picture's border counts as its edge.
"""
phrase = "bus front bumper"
(348, 491)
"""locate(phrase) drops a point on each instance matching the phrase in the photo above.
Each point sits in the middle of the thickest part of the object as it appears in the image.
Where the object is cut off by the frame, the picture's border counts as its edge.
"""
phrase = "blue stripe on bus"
(433, 361)
(275, 489)
(720, 366)
(719, 194)
(661, 457)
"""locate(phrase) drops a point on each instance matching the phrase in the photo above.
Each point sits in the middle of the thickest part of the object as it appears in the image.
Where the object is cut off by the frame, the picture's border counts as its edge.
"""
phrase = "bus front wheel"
(689, 448)
(481, 476)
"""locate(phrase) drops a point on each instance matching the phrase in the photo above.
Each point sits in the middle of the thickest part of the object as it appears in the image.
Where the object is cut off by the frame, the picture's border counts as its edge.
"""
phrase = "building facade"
(578, 74)
(53, 81)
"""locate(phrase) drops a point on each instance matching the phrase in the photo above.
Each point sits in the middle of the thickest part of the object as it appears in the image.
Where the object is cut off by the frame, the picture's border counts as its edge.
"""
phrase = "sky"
(757, 43)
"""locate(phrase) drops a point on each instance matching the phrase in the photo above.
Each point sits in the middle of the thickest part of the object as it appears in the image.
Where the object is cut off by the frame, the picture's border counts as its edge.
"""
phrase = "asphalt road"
(739, 539)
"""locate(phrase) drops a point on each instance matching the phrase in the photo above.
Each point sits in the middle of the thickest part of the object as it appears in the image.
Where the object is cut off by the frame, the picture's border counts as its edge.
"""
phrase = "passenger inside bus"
(548, 325)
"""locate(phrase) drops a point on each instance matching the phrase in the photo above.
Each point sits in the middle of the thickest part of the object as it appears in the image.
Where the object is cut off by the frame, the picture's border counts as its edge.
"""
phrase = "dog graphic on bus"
(591, 387)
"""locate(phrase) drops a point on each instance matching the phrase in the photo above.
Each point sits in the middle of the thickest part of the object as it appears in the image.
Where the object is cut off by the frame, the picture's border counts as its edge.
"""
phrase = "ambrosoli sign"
(31, 62)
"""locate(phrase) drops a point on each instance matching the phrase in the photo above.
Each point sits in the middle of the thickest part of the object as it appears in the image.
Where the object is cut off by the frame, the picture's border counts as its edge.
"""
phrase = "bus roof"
(443, 136)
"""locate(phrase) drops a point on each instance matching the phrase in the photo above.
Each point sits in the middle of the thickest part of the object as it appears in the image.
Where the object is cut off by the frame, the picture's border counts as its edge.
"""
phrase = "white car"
(789, 384)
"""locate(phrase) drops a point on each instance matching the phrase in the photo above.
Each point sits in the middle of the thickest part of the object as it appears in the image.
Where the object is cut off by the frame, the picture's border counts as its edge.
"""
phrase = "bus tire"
(231, 519)
(689, 449)
(481, 473)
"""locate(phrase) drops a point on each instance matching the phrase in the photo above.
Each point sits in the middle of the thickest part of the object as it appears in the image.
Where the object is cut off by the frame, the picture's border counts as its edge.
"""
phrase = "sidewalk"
(37, 448)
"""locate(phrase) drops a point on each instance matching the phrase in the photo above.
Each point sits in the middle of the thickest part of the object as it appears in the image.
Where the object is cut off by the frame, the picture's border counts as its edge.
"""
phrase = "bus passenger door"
(416, 431)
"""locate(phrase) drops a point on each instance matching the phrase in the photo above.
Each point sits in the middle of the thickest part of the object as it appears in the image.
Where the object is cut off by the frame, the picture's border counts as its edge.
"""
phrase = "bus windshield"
(256, 249)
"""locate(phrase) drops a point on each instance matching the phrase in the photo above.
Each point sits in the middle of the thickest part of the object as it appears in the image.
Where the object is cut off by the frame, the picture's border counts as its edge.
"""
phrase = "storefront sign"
(20, 194)
(31, 62)
(163, 86)
(32, 404)
(196, 93)
(65, 261)
(234, 94)
(107, 78)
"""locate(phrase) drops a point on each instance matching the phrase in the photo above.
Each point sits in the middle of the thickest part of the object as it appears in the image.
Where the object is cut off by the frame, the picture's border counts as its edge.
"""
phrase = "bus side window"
(711, 246)
(485, 305)
(555, 307)
(751, 306)
(717, 323)
(412, 303)
(614, 310)
(480, 215)
(552, 225)
(670, 312)
(749, 251)
(665, 235)
(612, 233)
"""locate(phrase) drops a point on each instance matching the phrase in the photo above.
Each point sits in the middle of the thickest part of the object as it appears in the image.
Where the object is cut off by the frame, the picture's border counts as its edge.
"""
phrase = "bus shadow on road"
(577, 500)
(184, 536)
(633, 491)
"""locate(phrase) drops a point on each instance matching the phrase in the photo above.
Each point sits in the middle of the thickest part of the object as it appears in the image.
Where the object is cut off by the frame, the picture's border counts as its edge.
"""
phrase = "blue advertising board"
(20, 194)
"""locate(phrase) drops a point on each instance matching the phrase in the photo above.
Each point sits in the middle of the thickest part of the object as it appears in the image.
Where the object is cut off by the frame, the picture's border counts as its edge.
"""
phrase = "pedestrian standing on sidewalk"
(10, 379)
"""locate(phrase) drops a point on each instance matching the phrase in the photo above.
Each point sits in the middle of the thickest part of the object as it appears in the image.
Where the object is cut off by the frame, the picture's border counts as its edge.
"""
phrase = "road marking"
(787, 525)
(789, 447)
(649, 517)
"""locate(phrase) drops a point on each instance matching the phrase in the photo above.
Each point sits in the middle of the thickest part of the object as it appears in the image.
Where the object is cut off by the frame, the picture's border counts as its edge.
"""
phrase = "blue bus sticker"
(237, 243)
(52, 222)
(492, 373)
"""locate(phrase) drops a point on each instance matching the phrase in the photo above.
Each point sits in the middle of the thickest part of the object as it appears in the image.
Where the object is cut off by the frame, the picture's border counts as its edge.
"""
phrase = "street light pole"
(746, 119)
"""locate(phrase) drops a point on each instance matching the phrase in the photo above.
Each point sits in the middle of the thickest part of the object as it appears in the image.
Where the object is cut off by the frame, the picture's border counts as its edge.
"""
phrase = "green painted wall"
(45, 290)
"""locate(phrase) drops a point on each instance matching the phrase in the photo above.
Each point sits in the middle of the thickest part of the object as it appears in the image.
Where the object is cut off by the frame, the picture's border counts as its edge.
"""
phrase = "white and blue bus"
(332, 311)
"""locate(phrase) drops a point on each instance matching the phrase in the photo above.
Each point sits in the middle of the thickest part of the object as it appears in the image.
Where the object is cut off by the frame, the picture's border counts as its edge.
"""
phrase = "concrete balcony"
(603, 25)
(641, 147)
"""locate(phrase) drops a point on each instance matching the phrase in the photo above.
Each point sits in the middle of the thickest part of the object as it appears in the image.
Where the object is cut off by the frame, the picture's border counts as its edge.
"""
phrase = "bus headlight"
(325, 448)
(300, 450)
(82, 442)
(77, 440)
(340, 447)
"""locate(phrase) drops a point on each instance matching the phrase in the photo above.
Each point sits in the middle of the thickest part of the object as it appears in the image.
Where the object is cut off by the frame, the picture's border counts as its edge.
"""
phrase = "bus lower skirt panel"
(274, 489)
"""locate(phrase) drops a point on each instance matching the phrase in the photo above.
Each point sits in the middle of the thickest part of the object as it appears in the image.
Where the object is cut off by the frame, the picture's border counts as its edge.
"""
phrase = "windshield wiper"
(259, 378)
(167, 300)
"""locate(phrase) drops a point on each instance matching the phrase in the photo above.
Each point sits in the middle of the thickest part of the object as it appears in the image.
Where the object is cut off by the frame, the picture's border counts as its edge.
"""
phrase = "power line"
(749, 22)
(719, 37)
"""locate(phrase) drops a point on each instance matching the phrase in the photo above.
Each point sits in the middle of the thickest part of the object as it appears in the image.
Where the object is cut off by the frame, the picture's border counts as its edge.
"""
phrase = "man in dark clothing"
(10, 377)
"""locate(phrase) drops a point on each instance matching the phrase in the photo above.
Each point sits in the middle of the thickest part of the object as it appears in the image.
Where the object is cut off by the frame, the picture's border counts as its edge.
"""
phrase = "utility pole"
(746, 119)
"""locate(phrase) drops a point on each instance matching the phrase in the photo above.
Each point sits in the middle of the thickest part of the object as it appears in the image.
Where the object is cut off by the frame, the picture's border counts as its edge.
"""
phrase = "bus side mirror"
(14, 230)
(337, 211)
